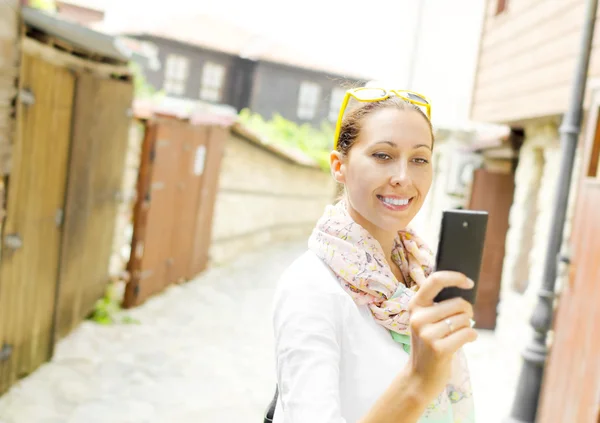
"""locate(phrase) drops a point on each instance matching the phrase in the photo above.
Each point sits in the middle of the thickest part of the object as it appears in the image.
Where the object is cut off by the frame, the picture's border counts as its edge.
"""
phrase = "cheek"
(423, 180)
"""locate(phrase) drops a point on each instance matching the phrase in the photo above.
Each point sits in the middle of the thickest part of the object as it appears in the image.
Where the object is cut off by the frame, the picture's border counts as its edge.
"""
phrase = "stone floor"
(203, 353)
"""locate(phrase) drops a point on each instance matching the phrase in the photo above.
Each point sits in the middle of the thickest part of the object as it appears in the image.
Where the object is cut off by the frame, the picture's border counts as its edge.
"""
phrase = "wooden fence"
(173, 215)
(63, 193)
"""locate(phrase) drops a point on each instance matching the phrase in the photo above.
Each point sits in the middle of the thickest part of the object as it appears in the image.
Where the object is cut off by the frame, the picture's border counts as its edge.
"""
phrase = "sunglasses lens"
(416, 97)
(370, 94)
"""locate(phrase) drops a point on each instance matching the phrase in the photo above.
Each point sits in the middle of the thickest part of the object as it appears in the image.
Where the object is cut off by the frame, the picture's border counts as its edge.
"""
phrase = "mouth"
(395, 203)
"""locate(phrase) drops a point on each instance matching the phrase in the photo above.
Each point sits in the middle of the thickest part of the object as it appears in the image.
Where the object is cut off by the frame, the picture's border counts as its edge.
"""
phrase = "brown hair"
(351, 124)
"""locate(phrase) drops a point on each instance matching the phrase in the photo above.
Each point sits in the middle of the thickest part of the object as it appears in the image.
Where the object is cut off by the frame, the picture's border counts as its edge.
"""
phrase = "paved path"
(202, 353)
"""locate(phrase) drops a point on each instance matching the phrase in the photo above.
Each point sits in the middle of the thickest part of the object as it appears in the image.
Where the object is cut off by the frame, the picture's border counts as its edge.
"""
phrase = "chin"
(393, 225)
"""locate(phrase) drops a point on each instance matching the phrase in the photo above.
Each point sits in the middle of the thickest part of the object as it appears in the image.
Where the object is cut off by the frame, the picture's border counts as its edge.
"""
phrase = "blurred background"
(163, 162)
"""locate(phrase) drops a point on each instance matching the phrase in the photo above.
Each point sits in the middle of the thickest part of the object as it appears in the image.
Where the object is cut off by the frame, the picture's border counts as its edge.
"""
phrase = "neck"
(385, 238)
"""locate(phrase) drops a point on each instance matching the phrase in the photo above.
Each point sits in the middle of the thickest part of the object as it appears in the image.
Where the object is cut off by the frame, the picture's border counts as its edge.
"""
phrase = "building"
(524, 76)
(202, 58)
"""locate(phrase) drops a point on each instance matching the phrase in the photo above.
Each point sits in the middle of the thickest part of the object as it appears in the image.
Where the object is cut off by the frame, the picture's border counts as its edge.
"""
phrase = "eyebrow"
(393, 144)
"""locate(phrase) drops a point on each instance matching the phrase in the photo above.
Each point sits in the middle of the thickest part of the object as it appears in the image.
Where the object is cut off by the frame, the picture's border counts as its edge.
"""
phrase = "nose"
(400, 175)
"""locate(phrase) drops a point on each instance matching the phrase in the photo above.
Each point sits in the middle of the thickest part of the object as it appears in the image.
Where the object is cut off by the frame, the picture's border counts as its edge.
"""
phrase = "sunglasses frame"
(355, 92)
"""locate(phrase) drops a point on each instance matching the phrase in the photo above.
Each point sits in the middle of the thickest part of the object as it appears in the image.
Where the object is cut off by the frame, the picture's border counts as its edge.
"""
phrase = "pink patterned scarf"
(360, 264)
(361, 267)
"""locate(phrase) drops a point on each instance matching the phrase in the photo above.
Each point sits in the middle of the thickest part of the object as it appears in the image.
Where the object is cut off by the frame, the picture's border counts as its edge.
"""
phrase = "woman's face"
(388, 171)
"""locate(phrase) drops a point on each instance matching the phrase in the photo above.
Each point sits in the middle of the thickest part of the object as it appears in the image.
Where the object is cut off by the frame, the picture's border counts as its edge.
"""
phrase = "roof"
(95, 5)
(200, 113)
(214, 34)
(76, 35)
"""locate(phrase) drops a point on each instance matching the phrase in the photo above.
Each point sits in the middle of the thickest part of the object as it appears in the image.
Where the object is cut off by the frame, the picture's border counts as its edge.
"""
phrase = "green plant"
(46, 5)
(314, 142)
(141, 86)
(107, 309)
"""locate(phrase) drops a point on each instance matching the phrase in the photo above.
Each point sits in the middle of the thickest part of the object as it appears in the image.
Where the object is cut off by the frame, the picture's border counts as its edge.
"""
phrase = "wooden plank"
(202, 237)
(101, 122)
(519, 107)
(572, 376)
(140, 215)
(557, 20)
(545, 53)
(492, 192)
(37, 187)
(192, 164)
(155, 245)
(515, 24)
(63, 59)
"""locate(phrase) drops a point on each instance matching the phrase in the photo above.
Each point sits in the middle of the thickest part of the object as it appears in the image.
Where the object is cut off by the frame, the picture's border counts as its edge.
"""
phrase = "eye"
(382, 156)
(421, 161)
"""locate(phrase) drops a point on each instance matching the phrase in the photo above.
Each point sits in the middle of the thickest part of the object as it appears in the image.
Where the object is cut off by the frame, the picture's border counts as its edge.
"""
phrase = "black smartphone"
(460, 248)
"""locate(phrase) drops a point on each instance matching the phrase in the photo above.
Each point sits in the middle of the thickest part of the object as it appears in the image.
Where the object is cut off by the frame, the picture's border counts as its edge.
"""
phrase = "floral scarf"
(361, 267)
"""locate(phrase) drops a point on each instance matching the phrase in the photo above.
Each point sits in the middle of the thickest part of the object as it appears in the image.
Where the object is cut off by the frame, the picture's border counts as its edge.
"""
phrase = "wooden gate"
(63, 193)
(172, 218)
(492, 192)
(101, 117)
(571, 385)
(32, 234)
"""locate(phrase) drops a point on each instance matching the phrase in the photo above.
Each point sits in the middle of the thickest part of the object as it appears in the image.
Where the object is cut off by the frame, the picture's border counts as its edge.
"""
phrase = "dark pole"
(530, 380)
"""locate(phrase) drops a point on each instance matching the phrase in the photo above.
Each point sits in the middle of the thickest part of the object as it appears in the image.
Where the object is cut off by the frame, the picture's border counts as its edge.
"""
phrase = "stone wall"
(530, 222)
(124, 223)
(9, 70)
(264, 197)
(9, 56)
(531, 212)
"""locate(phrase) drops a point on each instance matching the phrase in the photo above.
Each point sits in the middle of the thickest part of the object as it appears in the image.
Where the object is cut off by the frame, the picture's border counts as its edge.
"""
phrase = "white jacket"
(333, 360)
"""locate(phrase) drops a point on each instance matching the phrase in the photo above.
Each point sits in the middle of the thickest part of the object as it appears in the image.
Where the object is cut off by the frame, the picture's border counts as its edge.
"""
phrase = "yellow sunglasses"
(370, 95)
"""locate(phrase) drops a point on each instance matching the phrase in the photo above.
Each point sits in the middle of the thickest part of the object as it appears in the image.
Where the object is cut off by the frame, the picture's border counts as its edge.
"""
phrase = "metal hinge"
(26, 97)
(59, 217)
(13, 241)
(6, 352)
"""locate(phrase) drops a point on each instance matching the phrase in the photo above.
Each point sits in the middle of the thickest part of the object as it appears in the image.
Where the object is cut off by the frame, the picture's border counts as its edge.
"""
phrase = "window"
(176, 74)
(213, 76)
(337, 96)
(308, 100)
(501, 6)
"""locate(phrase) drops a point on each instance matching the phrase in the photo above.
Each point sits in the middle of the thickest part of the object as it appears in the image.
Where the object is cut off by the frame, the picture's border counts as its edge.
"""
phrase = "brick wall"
(264, 198)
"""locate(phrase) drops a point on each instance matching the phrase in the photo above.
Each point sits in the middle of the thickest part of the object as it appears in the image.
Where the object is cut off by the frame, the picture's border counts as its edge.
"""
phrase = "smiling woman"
(357, 334)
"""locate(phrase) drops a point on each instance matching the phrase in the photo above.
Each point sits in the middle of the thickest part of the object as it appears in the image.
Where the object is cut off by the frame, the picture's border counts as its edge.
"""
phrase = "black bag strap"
(271, 409)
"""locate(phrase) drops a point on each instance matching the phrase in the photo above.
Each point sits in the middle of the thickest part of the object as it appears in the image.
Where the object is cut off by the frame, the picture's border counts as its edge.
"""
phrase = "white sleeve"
(307, 351)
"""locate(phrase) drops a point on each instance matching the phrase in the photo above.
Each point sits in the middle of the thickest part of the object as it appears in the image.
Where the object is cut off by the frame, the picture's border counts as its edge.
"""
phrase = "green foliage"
(141, 86)
(314, 142)
(46, 5)
(108, 311)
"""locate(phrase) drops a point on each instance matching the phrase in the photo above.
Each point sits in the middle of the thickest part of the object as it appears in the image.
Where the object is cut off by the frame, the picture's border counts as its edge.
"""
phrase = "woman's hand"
(438, 330)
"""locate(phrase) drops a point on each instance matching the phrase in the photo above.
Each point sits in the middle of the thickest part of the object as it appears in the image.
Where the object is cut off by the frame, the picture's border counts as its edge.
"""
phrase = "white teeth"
(395, 201)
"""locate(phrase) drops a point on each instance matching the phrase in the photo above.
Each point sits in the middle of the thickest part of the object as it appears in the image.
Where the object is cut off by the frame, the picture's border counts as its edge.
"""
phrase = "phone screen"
(460, 249)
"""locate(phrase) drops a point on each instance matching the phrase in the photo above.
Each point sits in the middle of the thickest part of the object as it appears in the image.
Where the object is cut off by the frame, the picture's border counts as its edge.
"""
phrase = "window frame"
(176, 74)
(210, 90)
(309, 95)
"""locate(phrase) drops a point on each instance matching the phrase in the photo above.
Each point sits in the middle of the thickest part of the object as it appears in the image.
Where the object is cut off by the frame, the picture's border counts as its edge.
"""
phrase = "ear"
(338, 167)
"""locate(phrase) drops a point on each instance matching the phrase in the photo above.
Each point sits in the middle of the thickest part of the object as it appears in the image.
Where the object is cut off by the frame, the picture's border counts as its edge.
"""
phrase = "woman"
(358, 337)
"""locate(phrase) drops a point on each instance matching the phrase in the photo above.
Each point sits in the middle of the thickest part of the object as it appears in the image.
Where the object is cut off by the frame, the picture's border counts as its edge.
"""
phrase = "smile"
(395, 203)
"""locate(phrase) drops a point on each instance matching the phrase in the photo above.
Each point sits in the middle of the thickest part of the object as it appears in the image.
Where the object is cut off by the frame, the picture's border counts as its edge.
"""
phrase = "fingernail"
(470, 283)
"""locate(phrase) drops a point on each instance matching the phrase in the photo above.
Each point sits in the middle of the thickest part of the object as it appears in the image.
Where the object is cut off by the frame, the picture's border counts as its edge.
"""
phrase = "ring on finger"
(450, 326)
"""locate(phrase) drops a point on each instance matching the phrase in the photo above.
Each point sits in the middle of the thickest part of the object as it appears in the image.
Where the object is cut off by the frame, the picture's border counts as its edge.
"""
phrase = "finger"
(435, 283)
(446, 327)
(455, 341)
(427, 315)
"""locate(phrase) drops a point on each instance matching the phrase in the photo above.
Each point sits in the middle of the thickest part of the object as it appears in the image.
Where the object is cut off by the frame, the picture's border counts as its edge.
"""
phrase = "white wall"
(446, 57)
